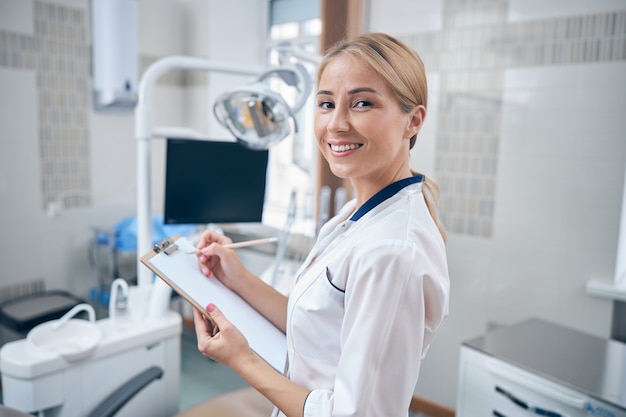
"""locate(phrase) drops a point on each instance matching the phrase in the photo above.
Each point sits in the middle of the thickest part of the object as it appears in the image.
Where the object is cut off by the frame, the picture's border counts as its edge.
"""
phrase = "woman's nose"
(339, 121)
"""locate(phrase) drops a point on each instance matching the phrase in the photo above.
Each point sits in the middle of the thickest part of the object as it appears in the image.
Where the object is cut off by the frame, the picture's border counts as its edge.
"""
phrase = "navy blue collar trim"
(387, 192)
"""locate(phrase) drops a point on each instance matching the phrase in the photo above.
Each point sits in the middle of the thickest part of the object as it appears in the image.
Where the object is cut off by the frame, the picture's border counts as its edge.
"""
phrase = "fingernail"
(210, 307)
(205, 271)
(204, 250)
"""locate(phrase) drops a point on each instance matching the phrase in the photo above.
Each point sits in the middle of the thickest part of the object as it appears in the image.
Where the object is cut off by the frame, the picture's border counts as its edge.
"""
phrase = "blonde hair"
(403, 70)
(431, 192)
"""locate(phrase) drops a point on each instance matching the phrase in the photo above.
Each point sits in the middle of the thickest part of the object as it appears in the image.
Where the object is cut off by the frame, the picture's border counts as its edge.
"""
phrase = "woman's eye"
(363, 103)
(325, 105)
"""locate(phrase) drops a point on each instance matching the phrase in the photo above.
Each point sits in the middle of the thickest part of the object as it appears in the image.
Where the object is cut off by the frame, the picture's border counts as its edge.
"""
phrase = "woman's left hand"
(229, 346)
(220, 340)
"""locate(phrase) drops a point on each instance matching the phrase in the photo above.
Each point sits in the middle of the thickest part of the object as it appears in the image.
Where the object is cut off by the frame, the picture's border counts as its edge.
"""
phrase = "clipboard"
(170, 262)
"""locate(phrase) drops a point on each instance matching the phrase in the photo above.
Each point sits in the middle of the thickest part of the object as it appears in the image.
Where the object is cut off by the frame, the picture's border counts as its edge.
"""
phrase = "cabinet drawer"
(491, 387)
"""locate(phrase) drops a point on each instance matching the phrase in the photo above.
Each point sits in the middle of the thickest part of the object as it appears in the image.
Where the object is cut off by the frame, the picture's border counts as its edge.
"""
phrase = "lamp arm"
(143, 123)
(144, 133)
(307, 86)
(289, 49)
(302, 74)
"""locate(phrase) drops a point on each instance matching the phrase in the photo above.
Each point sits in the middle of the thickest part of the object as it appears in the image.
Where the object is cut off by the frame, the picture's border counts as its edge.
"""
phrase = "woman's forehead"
(348, 69)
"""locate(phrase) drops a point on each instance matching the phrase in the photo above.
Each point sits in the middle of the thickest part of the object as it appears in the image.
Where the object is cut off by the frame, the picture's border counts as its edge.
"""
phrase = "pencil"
(243, 244)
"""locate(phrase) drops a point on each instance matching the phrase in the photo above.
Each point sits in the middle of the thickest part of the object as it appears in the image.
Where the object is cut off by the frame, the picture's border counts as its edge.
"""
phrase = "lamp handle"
(300, 77)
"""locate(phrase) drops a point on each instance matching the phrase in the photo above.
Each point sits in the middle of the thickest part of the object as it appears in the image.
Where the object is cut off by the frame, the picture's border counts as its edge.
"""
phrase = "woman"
(374, 289)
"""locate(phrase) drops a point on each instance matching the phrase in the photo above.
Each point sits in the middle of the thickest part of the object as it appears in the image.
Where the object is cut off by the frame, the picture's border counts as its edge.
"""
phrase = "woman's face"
(360, 128)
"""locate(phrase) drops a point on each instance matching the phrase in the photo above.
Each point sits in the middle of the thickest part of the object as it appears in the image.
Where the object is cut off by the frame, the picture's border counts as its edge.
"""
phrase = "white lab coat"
(366, 304)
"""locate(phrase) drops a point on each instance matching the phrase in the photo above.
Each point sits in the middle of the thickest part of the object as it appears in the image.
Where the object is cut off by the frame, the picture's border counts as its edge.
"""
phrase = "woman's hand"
(215, 260)
(223, 342)
(223, 263)
(219, 339)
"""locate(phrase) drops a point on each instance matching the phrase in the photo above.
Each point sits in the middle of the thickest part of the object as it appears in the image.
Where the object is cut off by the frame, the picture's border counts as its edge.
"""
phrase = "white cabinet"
(538, 369)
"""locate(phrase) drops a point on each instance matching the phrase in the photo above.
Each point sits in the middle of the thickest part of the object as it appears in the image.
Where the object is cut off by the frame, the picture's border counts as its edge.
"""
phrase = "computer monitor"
(213, 182)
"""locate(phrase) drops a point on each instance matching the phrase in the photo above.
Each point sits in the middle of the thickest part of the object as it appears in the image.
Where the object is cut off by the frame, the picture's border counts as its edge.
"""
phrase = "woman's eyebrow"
(363, 90)
(351, 92)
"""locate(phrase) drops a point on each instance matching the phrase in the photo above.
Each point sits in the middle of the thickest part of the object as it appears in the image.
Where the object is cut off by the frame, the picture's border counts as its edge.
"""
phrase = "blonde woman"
(374, 290)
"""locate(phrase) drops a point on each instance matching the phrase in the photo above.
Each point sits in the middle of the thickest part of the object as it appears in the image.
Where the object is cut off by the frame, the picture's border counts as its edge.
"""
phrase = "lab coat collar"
(387, 192)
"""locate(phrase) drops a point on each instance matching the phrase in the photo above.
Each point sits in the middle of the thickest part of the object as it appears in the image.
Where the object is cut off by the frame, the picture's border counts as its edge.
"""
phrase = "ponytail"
(431, 192)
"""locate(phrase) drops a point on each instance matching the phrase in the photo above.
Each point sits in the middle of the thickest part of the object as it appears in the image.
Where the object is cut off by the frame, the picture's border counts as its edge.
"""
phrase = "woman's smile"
(342, 149)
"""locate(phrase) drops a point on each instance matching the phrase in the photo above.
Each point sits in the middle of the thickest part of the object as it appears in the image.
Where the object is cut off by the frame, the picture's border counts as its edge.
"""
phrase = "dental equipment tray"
(23, 313)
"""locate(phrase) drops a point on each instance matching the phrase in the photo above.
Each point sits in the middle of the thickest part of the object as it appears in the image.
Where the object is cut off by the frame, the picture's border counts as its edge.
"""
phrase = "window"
(293, 161)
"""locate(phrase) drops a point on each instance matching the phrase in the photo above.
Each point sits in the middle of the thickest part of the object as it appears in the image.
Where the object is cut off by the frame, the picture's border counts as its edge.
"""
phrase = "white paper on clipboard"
(180, 271)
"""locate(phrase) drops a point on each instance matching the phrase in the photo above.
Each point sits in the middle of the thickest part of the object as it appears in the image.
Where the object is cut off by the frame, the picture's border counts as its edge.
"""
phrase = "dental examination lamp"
(256, 115)
(259, 117)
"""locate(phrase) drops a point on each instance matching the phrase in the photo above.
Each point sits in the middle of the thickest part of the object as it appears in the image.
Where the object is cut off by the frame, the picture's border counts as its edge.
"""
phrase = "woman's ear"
(416, 120)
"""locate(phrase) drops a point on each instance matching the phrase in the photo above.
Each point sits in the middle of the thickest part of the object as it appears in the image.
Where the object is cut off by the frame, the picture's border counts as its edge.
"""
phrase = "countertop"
(588, 364)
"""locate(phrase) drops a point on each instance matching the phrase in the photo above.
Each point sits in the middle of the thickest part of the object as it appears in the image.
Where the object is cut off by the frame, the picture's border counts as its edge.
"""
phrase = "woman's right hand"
(224, 263)
(216, 260)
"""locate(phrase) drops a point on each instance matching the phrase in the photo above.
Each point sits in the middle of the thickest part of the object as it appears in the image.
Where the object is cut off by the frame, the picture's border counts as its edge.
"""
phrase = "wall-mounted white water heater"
(114, 49)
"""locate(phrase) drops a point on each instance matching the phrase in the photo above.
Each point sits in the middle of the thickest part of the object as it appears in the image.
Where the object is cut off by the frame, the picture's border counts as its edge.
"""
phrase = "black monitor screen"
(213, 182)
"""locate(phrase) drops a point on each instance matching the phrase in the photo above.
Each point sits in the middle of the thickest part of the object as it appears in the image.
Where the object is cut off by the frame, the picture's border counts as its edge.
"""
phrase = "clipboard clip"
(166, 246)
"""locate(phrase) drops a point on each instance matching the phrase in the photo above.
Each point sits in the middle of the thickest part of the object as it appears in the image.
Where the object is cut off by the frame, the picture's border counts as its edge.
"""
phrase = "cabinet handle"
(536, 384)
(523, 404)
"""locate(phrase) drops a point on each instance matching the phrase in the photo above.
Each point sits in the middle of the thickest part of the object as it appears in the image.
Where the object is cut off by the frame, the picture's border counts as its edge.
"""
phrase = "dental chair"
(114, 402)
(20, 314)
(245, 402)
(112, 367)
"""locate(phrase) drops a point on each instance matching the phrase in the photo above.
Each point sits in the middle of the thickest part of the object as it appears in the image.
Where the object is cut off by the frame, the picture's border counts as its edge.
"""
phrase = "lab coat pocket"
(329, 277)
(319, 306)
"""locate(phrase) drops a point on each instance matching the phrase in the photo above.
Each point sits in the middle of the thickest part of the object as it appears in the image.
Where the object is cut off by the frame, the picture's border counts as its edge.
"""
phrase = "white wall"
(19, 176)
(558, 184)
